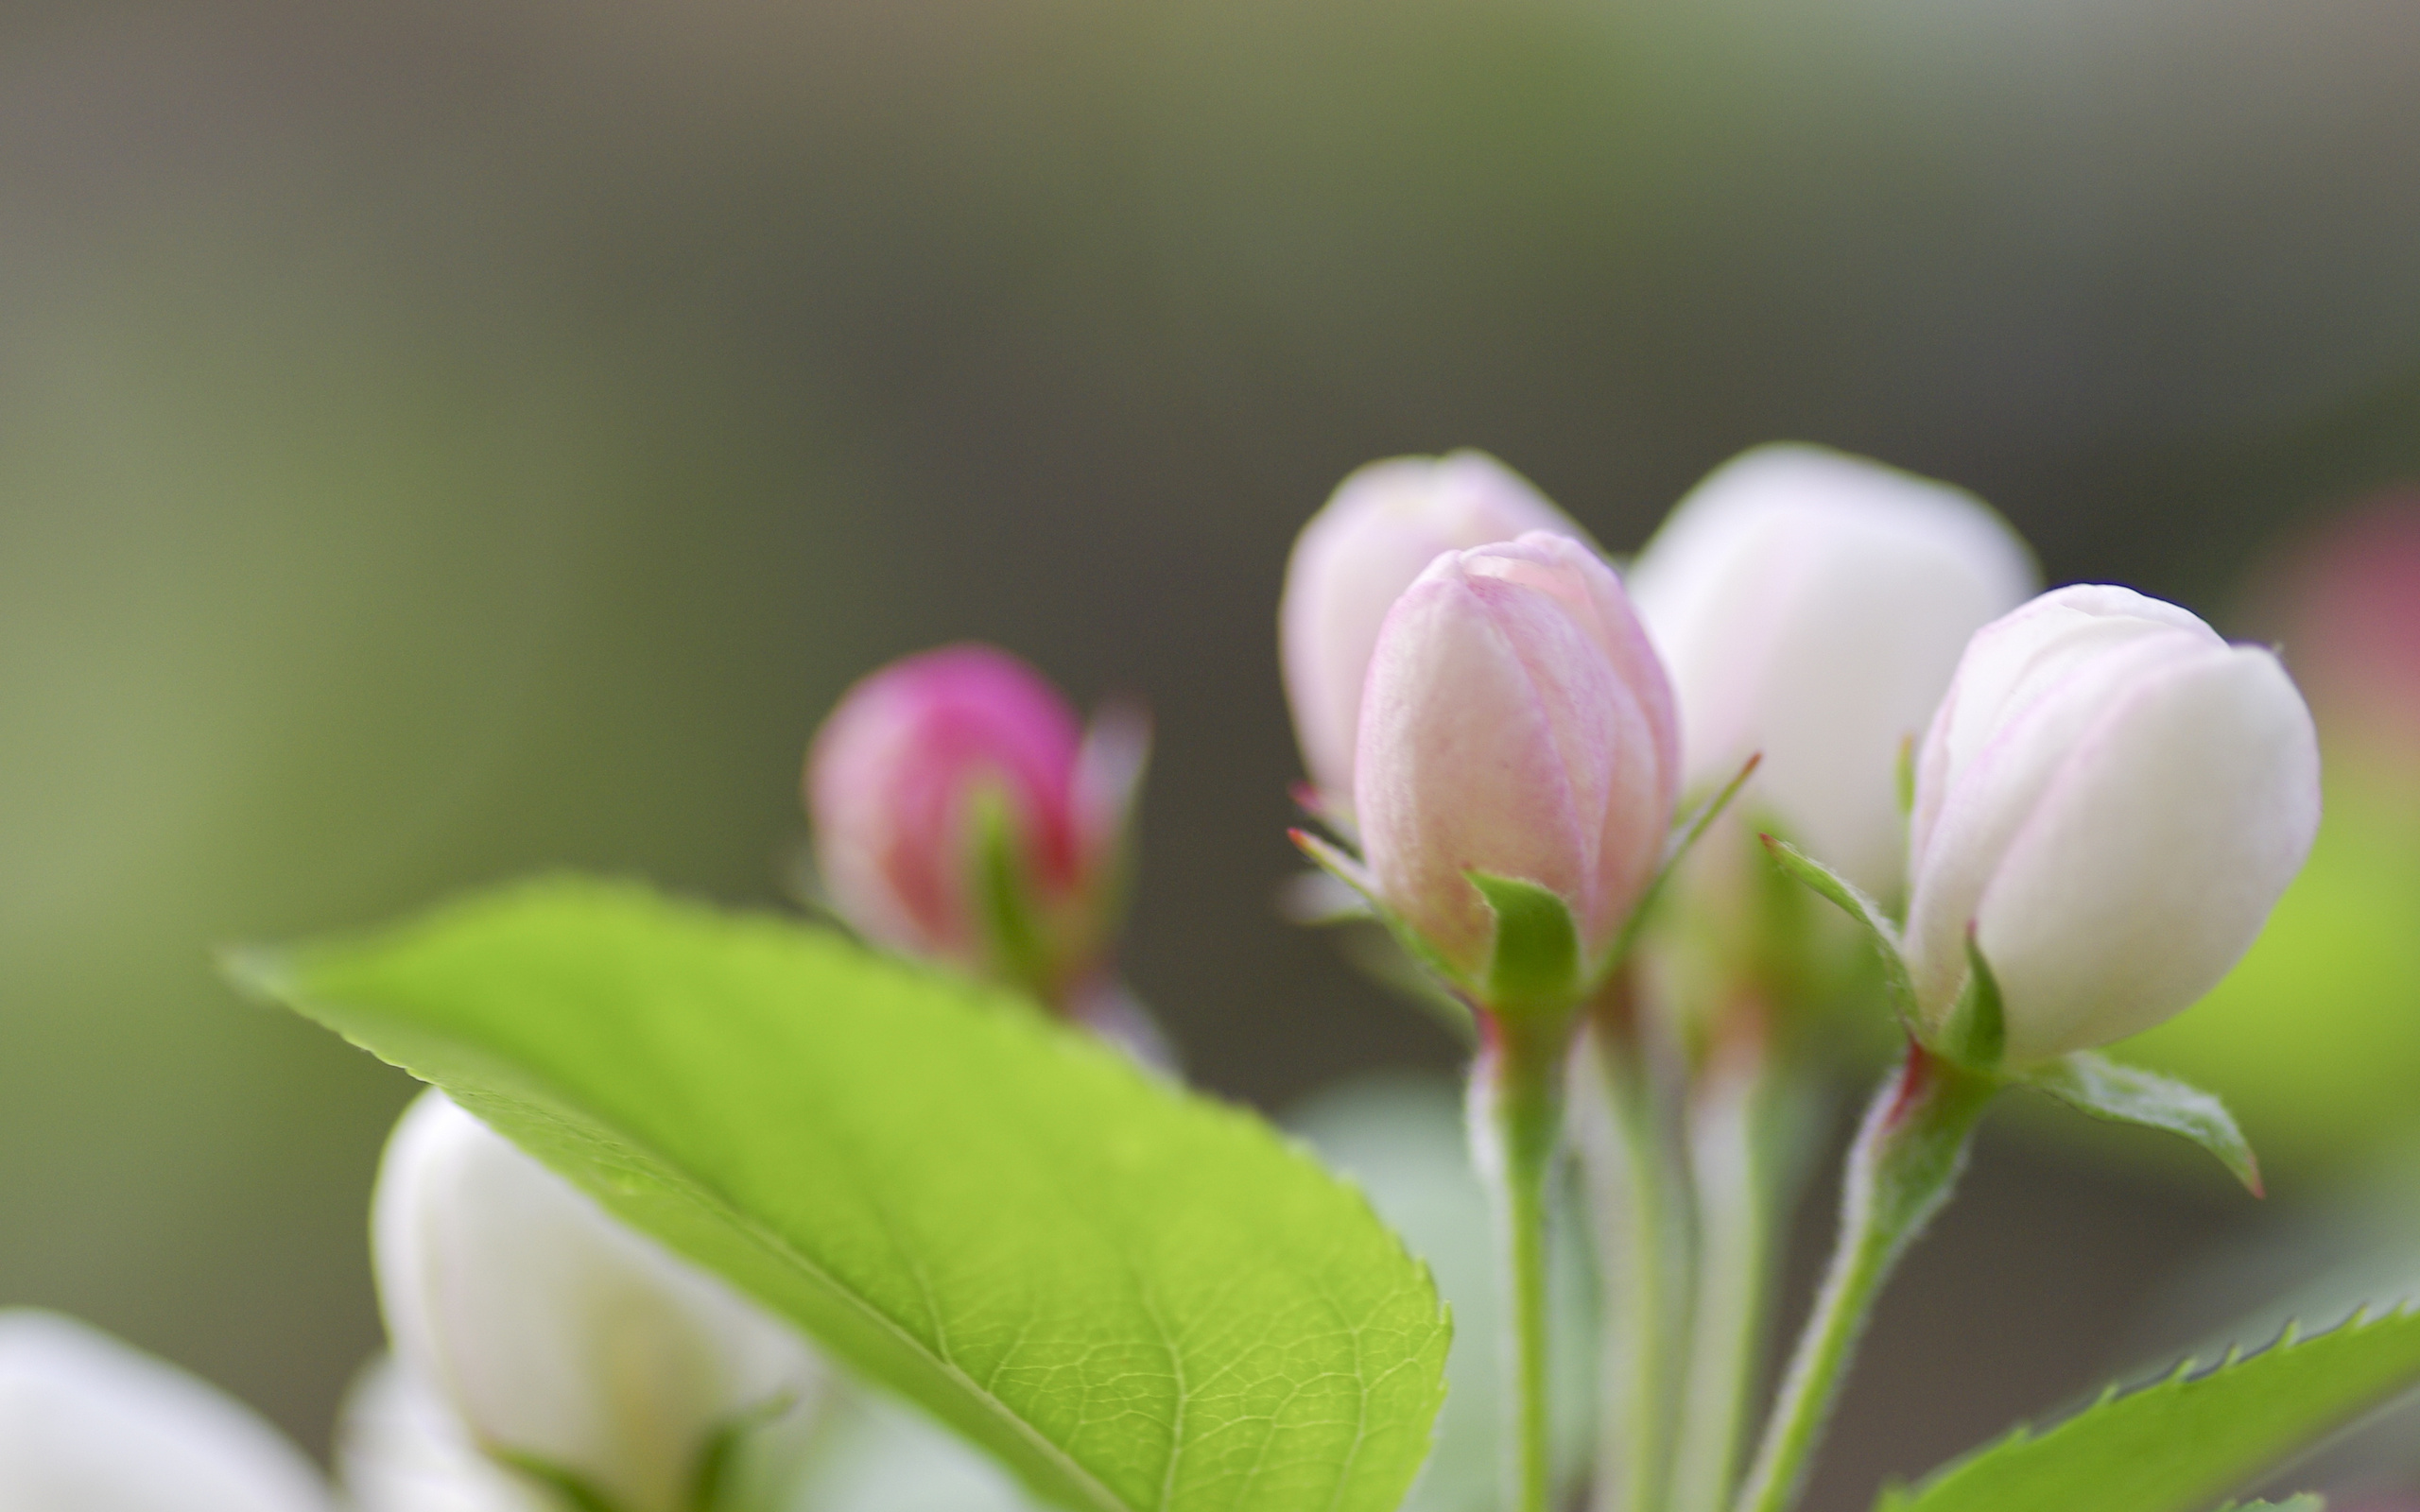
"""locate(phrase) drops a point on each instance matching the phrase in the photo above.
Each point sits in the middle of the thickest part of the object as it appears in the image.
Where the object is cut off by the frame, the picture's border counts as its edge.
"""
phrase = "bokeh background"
(445, 439)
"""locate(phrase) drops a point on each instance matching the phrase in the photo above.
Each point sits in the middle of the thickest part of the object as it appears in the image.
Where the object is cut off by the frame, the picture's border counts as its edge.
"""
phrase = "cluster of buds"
(2106, 805)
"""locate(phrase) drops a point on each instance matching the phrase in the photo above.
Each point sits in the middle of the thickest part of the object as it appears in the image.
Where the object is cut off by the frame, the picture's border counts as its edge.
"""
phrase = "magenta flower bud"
(1516, 722)
(1382, 526)
(961, 813)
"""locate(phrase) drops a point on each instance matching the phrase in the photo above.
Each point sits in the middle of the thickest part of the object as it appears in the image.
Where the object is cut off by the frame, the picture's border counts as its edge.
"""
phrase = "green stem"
(1902, 1169)
(1641, 1231)
(1739, 1200)
(1515, 1120)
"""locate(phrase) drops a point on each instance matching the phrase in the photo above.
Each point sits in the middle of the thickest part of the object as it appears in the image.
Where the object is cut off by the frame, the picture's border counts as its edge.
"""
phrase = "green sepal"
(1975, 1033)
(2307, 1501)
(1846, 895)
(2129, 1095)
(1013, 935)
(1683, 837)
(1535, 968)
(1339, 864)
(566, 1489)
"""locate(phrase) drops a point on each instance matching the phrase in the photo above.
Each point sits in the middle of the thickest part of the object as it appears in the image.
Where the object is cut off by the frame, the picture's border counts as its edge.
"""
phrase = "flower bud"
(401, 1449)
(88, 1424)
(1517, 724)
(960, 814)
(1812, 606)
(2109, 800)
(567, 1345)
(1377, 531)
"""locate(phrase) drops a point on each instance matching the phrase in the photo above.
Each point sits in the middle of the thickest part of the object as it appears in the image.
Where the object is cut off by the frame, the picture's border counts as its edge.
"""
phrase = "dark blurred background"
(445, 439)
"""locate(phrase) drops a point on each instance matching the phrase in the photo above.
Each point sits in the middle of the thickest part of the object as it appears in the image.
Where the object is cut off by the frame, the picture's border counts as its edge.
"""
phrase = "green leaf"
(2182, 1443)
(2304, 1502)
(2129, 1095)
(1535, 967)
(1133, 1296)
(1846, 895)
(1976, 1035)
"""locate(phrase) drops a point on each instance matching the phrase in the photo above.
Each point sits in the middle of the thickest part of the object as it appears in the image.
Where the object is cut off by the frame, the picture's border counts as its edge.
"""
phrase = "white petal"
(1383, 525)
(1999, 783)
(1812, 607)
(554, 1330)
(2152, 860)
(400, 1448)
(88, 1424)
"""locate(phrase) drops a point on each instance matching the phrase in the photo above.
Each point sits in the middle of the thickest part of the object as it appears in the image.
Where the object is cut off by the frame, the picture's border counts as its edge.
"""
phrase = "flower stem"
(1642, 1235)
(1740, 1199)
(1515, 1121)
(1902, 1169)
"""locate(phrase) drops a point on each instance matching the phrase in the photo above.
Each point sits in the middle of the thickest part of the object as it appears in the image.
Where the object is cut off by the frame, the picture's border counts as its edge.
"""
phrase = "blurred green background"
(443, 439)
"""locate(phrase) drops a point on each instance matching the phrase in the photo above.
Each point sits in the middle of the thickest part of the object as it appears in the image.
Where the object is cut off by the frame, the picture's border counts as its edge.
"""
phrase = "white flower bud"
(1812, 606)
(401, 1449)
(1377, 532)
(559, 1336)
(2111, 797)
(88, 1424)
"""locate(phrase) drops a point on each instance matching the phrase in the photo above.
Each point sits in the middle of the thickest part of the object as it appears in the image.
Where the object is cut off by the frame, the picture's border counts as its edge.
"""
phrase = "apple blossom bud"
(401, 1449)
(962, 814)
(1812, 606)
(88, 1424)
(2110, 799)
(1377, 531)
(1516, 724)
(568, 1345)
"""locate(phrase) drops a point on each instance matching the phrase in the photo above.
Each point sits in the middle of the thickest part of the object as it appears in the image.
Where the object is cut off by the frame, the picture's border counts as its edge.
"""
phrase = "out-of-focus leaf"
(2314, 1038)
(1133, 1296)
(2180, 1444)
(1400, 1139)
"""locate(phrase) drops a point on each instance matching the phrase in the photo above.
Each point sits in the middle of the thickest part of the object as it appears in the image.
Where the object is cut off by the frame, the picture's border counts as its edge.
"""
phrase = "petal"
(88, 1424)
(1459, 767)
(1998, 787)
(1813, 606)
(2152, 860)
(1383, 525)
(552, 1329)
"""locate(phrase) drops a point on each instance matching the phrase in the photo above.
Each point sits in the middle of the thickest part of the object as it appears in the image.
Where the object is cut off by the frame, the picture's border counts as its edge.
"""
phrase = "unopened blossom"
(1381, 527)
(558, 1336)
(2110, 799)
(88, 1424)
(1518, 724)
(913, 765)
(1810, 607)
(400, 1448)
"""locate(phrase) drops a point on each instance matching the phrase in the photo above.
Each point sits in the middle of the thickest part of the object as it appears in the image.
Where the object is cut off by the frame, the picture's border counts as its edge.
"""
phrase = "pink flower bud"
(909, 770)
(1516, 722)
(2110, 799)
(1382, 526)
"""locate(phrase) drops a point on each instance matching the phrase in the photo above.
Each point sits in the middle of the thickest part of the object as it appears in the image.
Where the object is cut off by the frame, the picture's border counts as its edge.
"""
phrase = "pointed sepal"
(2107, 1088)
(1846, 895)
(1535, 967)
(1975, 1033)
(1685, 833)
(1347, 868)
